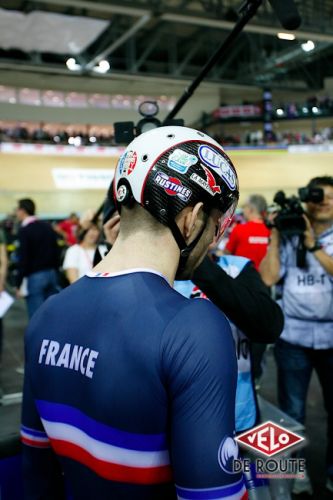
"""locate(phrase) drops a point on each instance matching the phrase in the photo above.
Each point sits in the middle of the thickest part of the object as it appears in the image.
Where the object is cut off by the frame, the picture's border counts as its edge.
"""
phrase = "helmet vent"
(170, 136)
(144, 158)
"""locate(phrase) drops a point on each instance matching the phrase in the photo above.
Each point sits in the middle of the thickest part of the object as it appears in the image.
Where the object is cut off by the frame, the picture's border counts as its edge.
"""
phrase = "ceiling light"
(280, 112)
(308, 46)
(103, 67)
(286, 36)
(72, 64)
(315, 109)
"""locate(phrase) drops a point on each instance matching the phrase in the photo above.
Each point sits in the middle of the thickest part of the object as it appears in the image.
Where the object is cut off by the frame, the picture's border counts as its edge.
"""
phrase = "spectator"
(307, 302)
(38, 257)
(79, 258)
(68, 229)
(251, 238)
(3, 275)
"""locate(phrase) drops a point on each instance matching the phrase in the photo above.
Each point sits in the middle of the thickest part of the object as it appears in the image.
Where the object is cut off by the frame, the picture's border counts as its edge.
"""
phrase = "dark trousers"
(41, 285)
(295, 365)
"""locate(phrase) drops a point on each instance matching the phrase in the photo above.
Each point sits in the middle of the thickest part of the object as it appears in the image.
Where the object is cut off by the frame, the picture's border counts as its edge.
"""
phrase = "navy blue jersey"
(129, 394)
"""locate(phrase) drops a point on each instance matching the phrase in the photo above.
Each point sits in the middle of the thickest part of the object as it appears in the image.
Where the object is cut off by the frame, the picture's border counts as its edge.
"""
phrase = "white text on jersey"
(74, 357)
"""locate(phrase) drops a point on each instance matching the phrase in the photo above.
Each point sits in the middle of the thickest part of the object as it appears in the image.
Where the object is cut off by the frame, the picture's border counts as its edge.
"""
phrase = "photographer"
(307, 302)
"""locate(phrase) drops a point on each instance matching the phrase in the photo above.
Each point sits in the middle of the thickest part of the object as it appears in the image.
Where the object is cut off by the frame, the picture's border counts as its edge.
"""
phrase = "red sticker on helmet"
(209, 184)
(127, 163)
(172, 186)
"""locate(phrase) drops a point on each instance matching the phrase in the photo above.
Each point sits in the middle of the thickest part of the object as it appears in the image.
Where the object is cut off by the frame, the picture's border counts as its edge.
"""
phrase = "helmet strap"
(185, 250)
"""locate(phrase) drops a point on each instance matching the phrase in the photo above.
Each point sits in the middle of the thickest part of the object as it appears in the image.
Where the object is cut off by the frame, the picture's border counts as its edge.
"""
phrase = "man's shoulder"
(198, 334)
(198, 317)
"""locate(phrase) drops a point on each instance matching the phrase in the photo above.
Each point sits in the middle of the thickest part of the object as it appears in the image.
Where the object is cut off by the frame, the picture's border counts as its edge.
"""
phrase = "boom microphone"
(287, 13)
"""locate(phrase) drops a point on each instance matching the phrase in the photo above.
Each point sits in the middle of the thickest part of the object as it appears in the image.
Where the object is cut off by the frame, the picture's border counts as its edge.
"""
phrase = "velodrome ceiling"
(168, 39)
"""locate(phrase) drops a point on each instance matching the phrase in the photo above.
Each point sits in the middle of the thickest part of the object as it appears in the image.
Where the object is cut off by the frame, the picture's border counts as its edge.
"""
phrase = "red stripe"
(245, 496)
(111, 471)
(36, 444)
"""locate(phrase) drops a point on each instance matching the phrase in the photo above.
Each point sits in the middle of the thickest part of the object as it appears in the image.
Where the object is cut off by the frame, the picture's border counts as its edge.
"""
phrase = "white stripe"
(34, 438)
(104, 451)
(92, 274)
(235, 496)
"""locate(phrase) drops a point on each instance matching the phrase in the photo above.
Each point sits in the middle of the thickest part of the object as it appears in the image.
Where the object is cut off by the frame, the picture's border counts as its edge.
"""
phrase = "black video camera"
(125, 132)
(290, 221)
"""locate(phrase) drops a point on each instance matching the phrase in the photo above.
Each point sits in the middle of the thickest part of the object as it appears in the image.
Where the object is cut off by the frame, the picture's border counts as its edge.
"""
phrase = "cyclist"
(130, 387)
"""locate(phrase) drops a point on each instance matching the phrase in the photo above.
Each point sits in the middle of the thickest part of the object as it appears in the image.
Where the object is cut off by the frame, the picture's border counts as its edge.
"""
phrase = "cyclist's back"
(113, 372)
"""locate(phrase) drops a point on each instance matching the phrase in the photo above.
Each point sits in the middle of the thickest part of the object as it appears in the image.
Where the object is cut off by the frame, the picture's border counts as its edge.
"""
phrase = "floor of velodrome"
(11, 383)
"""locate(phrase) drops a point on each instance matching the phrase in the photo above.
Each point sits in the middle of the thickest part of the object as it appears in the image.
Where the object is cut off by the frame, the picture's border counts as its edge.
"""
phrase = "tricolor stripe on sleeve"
(111, 453)
(33, 437)
(234, 491)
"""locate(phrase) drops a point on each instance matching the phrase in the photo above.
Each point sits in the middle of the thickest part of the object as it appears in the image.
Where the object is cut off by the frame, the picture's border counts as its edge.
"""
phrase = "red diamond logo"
(269, 439)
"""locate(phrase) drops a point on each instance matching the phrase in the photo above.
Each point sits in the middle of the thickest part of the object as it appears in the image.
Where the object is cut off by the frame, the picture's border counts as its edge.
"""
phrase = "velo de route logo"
(269, 440)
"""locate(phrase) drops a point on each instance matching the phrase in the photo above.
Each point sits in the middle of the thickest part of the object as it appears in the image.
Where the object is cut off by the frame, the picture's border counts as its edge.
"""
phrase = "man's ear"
(192, 221)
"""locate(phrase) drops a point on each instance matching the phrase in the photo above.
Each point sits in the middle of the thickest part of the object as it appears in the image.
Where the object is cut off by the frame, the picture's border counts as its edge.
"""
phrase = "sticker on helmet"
(121, 193)
(215, 160)
(209, 184)
(180, 161)
(172, 186)
(127, 163)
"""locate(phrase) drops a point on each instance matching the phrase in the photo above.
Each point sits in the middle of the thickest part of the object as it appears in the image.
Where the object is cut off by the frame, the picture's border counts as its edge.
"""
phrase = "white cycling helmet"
(169, 168)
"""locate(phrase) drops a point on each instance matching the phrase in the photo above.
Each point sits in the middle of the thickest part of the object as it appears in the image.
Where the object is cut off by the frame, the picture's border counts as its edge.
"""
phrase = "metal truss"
(174, 39)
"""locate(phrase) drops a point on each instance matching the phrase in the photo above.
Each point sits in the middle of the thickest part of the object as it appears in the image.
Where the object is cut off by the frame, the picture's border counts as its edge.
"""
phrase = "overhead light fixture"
(308, 46)
(72, 65)
(103, 67)
(286, 36)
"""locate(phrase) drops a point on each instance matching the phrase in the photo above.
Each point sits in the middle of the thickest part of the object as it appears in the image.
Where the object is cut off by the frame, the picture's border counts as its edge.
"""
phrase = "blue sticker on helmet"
(215, 160)
(180, 161)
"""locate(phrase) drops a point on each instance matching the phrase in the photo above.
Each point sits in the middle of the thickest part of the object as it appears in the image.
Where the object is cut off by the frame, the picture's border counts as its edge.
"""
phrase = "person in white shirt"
(79, 258)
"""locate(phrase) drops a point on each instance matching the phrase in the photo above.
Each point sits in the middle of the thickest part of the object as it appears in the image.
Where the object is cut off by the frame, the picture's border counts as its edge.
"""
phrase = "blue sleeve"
(42, 475)
(200, 374)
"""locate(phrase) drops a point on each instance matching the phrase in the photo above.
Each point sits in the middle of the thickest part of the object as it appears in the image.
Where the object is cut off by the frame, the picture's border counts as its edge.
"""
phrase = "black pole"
(247, 11)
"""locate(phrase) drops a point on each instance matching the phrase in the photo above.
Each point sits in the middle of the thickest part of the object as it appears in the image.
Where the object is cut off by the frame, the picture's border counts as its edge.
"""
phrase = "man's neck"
(28, 219)
(142, 251)
(254, 218)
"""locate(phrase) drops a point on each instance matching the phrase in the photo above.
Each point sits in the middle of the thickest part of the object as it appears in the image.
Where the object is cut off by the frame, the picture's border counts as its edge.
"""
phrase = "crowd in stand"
(44, 134)
(287, 138)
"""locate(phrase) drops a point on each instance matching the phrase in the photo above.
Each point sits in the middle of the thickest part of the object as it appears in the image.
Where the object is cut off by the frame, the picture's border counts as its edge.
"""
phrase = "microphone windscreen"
(287, 13)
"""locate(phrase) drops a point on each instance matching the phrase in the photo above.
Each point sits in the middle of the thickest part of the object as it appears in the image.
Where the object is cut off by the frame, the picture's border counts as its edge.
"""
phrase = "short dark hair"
(325, 180)
(27, 205)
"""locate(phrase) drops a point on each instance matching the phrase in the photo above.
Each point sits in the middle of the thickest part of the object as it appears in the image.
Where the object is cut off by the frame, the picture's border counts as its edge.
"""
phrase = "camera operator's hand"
(309, 237)
(270, 265)
(325, 260)
(274, 238)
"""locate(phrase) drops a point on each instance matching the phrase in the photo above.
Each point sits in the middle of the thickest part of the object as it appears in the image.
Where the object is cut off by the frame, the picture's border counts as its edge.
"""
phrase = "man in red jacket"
(251, 238)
